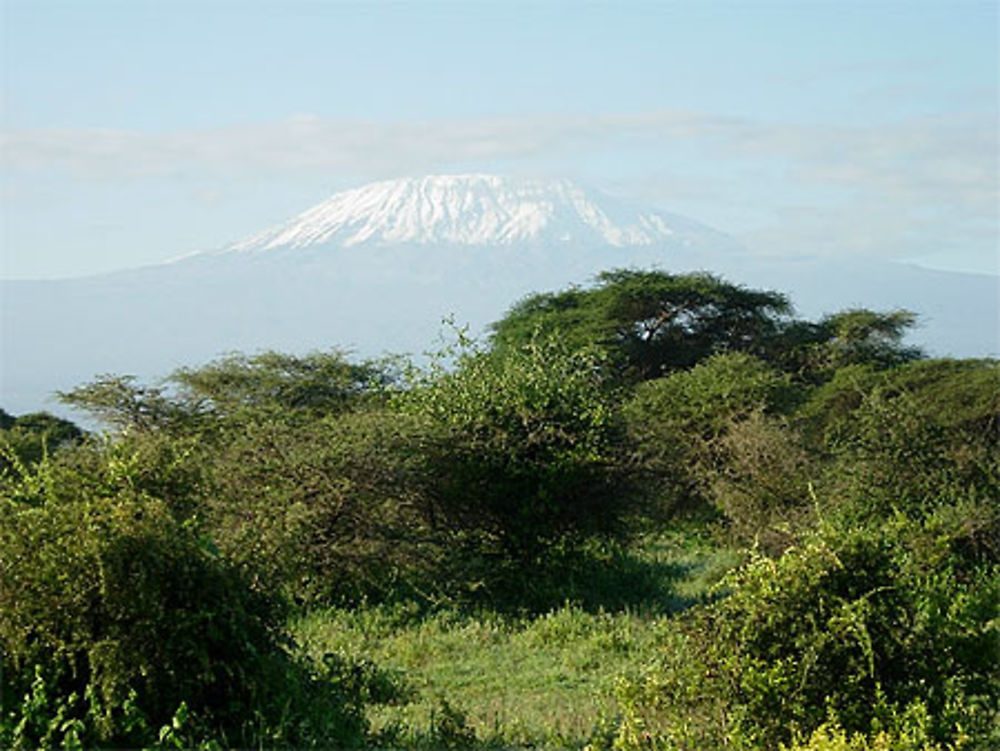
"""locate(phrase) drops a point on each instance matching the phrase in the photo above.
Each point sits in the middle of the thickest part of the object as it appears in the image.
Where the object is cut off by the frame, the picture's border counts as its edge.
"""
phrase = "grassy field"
(483, 677)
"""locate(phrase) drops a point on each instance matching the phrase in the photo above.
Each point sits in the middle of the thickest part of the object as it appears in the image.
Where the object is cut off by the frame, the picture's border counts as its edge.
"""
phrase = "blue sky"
(135, 131)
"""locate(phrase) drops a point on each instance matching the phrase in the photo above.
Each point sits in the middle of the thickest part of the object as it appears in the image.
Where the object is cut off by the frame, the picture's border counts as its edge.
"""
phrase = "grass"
(540, 679)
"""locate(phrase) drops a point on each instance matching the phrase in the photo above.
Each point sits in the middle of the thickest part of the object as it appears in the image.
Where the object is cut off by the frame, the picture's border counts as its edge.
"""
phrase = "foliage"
(764, 482)
(117, 614)
(650, 322)
(856, 336)
(923, 435)
(527, 448)
(280, 385)
(332, 509)
(876, 628)
(831, 737)
(170, 469)
(704, 399)
(26, 439)
(958, 394)
(236, 388)
(675, 422)
(118, 401)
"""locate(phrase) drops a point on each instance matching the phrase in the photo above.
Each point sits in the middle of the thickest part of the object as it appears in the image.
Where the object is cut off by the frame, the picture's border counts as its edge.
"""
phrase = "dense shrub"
(27, 439)
(675, 422)
(332, 510)
(528, 449)
(922, 435)
(317, 483)
(955, 394)
(705, 398)
(881, 628)
(118, 620)
(764, 482)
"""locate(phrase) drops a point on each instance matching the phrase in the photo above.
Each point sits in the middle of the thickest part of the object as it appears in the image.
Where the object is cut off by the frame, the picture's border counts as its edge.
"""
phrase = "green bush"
(332, 510)
(763, 481)
(675, 422)
(877, 629)
(708, 396)
(118, 620)
(922, 435)
(528, 447)
(26, 440)
(831, 737)
(955, 394)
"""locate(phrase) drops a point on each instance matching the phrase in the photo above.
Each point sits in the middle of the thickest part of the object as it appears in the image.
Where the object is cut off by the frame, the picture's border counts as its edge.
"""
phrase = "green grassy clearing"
(516, 679)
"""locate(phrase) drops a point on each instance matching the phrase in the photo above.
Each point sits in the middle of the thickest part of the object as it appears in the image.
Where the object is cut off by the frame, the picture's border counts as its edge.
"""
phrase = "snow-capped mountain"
(376, 269)
(476, 210)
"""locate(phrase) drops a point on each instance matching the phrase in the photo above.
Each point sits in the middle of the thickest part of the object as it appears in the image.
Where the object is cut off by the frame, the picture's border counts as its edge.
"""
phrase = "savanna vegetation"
(656, 512)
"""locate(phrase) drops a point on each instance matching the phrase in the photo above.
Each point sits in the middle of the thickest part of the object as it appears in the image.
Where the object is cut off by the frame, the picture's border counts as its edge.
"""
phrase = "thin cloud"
(913, 160)
(312, 143)
(897, 189)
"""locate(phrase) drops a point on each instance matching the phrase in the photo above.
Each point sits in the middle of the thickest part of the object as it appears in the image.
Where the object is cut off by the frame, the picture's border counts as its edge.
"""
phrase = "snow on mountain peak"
(472, 209)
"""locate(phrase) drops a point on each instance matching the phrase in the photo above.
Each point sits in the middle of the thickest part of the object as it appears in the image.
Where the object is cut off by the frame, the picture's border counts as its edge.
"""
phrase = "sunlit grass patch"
(518, 679)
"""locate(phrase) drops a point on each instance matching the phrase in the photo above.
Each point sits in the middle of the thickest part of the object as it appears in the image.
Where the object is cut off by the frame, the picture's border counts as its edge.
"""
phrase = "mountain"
(377, 268)
(476, 210)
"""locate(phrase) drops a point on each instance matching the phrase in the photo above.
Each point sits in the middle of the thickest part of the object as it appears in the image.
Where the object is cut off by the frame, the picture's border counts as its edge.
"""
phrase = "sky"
(136, 132)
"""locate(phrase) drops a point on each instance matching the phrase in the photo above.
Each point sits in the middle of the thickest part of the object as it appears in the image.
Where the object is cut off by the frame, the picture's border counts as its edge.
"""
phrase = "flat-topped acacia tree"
(651, 322)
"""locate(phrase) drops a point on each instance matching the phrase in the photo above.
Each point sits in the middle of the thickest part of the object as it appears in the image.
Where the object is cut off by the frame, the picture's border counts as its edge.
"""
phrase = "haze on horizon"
(135, 132)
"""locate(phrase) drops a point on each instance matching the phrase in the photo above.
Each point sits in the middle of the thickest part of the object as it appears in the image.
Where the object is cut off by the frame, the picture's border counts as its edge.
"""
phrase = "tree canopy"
(265, 385)
(651, 322)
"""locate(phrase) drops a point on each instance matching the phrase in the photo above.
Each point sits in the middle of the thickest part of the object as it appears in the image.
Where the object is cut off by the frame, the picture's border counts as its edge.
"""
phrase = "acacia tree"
(855, 336)
(651, 322)
(313, 385)
(234, 389)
